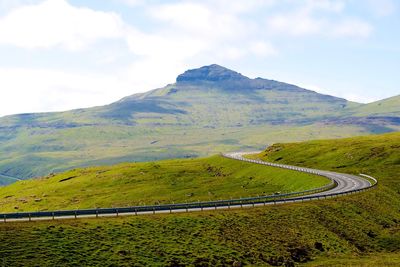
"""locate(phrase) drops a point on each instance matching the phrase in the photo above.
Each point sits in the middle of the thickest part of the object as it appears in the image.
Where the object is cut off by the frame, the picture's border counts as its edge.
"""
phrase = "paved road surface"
(345, 182)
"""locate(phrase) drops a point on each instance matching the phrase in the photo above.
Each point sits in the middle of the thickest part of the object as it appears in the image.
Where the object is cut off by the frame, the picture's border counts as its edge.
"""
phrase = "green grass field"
(159, 182)
(357, 230)
(376, 153)
(41, 151)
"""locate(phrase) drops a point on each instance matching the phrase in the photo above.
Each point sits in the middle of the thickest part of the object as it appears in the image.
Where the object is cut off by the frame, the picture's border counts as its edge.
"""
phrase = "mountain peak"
(212, 72)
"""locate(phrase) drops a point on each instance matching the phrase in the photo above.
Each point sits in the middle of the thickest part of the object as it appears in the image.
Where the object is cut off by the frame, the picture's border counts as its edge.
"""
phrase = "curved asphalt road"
(344, 184)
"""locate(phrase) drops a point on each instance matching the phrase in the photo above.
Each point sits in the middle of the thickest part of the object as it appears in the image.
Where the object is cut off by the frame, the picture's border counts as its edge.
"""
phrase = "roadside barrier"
(274, 199)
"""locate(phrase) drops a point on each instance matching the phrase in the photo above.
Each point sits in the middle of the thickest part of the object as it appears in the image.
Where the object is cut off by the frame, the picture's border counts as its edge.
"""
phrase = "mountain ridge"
(224, 78)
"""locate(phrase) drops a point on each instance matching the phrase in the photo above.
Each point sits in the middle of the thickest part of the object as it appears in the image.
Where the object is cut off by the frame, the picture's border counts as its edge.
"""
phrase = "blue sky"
(63, 54)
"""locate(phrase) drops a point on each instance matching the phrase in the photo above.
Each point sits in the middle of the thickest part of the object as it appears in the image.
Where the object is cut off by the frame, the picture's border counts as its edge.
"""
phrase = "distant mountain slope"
(377, 117)
(208, 110)
(389, 107)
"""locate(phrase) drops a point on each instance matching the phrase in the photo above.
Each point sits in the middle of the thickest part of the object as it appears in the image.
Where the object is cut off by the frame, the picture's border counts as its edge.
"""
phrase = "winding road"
(341, 184)
(344, 182)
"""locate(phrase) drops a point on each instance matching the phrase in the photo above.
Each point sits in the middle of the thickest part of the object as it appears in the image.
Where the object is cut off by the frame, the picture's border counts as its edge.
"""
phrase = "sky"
(63, 54)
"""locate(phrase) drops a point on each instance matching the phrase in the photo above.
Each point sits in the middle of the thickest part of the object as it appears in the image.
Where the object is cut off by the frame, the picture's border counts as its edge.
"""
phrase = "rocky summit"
(213, 73)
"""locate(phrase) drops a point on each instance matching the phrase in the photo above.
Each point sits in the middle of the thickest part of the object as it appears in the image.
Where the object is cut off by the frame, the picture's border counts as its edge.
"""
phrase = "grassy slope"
(362, 229)
(378, 155)
(37, 152)
(152, 183)
(385, 107)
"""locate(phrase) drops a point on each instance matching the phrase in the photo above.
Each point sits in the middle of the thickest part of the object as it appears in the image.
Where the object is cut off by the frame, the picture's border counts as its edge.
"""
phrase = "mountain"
(214, 96)
(206, 111)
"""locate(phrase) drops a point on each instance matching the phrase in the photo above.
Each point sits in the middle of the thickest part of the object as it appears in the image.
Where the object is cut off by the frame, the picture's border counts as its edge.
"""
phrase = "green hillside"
(386, 107)
(357, 155)
(376, 117)
(360, 230)
(208, 110)
(161, 182)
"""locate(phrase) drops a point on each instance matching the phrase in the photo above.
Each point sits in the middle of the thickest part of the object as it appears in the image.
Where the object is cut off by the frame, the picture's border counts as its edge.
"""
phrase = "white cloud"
(351, 28)
(162, 47)
(325, 5)
(202, 21)
(382, 8)
(263, 49)
(37, 90)
(7, 5)
(133, 3)
(212, 29)
(295, 24)
(307, 20)
(57, 23)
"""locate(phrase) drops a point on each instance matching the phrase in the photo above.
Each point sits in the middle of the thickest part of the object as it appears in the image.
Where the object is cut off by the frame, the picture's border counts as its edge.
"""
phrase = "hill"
(377, 117)
(357, 155)
(361, 229)
(162, 182)
(384, 108)
(206, 111)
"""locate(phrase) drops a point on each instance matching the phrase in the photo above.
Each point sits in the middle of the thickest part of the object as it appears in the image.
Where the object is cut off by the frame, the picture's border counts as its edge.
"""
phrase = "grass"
(37, 152)
(385, 107)
(159, 182)
(360, 230)
(378, 259)
(369, 155)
